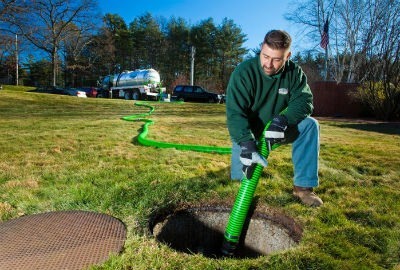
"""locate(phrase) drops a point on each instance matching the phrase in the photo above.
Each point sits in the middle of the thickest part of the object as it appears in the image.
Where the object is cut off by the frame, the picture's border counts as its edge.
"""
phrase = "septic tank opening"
(200, 229)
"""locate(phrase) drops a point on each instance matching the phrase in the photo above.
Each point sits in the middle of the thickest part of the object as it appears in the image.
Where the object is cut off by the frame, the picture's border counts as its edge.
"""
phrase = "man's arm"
(237, 107)
(301, 99)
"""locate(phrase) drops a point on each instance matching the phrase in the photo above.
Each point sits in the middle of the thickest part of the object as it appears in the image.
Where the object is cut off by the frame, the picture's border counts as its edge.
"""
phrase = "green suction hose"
(243, 201)
(143, 140)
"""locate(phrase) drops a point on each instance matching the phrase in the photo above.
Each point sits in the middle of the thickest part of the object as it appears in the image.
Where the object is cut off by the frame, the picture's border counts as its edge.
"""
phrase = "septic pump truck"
(136, 85)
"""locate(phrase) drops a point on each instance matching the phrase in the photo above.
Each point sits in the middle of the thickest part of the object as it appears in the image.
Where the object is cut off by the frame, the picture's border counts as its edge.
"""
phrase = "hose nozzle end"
(228, 248)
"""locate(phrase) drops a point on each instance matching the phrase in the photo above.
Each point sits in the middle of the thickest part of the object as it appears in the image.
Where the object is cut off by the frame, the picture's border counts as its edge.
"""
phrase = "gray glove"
(276, 131)
(250, 158)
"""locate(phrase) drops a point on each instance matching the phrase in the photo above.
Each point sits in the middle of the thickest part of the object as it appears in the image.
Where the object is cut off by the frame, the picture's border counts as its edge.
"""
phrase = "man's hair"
(278, 39)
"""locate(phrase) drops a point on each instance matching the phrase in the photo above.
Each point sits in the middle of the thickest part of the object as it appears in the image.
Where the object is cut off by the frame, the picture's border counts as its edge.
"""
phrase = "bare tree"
(8, 38)
(347, 28)
(9, 11)
(5, 6)
(365, 38)
(75, 47)
(312, 15)
(50, 22)
(8, 8)
(380, 63)
(352, 14)
(353, 25)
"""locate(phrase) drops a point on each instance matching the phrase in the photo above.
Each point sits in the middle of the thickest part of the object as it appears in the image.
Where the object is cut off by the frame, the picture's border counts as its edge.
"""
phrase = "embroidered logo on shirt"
(283, 91)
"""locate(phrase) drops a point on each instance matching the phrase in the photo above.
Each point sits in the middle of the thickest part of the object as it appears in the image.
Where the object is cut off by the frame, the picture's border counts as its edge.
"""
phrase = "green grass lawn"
(68, 153)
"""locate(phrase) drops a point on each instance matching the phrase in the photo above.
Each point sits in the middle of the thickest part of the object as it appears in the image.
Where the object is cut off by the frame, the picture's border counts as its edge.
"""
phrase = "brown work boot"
(307, 196)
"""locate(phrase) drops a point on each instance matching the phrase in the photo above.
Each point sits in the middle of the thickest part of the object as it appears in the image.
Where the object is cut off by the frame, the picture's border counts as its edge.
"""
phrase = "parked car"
(195, 93)
(55, 90)
(75, 92)
(90, 91)
(62, 91)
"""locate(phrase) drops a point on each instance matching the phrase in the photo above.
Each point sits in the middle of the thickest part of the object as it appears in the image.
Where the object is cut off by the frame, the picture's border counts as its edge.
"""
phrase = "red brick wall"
(334, 100)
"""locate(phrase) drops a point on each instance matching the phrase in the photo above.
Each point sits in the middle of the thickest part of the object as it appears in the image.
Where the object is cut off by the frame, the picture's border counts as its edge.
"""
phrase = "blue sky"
(254, 17)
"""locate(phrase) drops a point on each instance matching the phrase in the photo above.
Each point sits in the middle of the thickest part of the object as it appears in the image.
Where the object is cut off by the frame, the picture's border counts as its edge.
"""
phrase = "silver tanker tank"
(138, 77)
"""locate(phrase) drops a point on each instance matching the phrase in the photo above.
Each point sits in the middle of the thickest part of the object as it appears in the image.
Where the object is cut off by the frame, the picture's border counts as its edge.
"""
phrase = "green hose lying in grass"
(247, 188)
(142, 138)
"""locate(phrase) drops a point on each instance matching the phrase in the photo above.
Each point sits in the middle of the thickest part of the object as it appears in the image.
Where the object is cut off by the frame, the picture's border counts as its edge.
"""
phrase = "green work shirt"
(254, 98)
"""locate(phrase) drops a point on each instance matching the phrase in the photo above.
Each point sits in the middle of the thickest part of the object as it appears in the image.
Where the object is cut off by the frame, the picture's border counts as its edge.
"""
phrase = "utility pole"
(193, 52)
(16, 60)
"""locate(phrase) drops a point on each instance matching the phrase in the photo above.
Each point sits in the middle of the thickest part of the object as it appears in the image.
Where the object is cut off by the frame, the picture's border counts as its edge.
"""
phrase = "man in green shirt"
(272, 87)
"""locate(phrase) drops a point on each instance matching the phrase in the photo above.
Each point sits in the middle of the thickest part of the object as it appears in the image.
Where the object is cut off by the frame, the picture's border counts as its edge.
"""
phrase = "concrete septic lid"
(200, 229)
(59, 240)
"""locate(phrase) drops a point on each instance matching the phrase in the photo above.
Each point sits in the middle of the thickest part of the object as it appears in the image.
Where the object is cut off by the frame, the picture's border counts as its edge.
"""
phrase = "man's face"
(273, 60)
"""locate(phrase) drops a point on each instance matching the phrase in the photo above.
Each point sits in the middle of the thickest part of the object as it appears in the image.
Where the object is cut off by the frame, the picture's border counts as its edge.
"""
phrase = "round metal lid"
(59, 240)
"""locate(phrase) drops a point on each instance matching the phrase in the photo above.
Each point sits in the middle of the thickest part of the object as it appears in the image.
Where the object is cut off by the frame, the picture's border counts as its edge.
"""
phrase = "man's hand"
(276, 131)
(250, 158)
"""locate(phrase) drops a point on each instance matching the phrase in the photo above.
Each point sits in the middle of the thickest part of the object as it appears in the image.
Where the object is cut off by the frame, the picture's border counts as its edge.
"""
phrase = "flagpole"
(324, 44)
(326, 64)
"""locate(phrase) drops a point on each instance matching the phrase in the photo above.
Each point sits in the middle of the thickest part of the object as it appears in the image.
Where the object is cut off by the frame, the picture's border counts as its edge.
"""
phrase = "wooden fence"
(336, 100)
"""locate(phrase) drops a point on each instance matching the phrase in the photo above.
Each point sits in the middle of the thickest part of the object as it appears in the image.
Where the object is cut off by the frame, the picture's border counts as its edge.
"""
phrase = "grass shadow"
(386, 128)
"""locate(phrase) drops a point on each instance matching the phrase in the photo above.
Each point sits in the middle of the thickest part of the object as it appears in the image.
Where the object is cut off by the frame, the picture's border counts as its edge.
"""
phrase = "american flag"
(325, 36)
